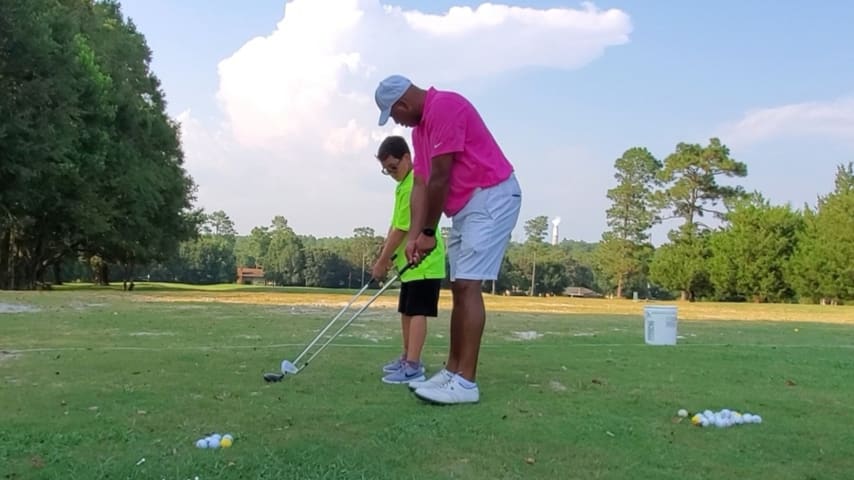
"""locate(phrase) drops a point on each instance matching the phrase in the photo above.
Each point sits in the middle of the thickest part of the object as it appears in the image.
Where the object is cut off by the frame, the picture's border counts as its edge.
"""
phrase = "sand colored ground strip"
(558, 305)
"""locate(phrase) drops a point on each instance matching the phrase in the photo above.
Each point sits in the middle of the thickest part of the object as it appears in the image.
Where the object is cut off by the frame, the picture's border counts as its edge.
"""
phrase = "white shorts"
(480, 232)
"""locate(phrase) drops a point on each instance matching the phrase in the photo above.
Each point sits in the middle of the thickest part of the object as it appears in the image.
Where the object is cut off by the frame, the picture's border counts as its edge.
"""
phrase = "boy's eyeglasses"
(386, 171)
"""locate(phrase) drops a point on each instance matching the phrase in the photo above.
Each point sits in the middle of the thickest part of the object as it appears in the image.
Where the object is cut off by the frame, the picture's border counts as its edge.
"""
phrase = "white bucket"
(659, 324)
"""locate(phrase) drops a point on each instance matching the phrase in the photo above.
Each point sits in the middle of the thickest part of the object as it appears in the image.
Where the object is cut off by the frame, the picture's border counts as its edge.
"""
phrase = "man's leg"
(467, 327)
(452, 364)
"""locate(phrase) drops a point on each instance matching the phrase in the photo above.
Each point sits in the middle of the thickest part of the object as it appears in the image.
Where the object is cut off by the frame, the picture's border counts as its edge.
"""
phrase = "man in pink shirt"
(460, 170)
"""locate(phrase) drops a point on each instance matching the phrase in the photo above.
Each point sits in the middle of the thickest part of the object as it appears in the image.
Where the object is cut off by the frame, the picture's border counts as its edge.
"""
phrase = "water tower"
(555, 223)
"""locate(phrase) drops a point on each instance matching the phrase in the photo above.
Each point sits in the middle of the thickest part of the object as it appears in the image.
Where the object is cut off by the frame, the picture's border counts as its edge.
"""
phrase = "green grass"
(96, 380)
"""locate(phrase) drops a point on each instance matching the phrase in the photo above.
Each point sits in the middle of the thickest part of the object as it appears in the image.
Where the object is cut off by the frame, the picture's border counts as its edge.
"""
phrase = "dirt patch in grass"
(7, 356)
(17, 308)
(527, 335)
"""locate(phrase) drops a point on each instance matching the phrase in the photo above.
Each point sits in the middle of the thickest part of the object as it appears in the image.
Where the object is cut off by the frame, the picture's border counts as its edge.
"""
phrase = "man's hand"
(417, 249)
(380, 269)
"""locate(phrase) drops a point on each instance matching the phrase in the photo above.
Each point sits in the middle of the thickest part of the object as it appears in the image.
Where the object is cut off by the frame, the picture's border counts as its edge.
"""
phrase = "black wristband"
(429, 232)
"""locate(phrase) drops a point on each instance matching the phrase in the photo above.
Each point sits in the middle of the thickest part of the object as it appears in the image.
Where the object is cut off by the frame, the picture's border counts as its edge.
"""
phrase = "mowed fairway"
(94, 381)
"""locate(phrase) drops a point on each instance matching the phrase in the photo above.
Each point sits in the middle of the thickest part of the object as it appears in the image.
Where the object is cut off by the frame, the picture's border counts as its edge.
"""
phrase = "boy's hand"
(380, 269)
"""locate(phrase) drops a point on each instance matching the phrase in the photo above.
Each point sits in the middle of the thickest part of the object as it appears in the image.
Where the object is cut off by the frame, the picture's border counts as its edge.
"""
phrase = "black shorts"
(420, 297)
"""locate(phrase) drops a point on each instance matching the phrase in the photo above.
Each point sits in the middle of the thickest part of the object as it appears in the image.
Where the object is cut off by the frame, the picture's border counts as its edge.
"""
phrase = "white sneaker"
(451, 392)
(440, 378)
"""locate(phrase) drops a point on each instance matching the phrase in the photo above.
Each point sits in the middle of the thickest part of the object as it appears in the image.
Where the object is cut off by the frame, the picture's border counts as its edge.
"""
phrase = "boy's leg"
(416, 333)
(395, 364)
(422, 301)
(405, 325)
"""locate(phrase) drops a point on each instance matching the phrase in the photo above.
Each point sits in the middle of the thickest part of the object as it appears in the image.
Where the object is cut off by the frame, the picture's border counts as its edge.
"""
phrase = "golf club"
(293, 368)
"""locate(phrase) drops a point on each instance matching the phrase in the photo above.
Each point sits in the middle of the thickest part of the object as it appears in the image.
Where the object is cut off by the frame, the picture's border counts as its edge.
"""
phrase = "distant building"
(581, 292)
(250, 276)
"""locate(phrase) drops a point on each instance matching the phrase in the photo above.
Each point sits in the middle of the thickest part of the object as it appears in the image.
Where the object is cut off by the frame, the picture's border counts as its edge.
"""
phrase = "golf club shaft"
(335, 319)
(332, 322)
(356, 315)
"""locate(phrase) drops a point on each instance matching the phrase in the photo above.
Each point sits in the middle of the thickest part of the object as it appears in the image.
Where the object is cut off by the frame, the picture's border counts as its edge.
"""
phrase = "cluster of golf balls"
(722, 418)
(215, 441)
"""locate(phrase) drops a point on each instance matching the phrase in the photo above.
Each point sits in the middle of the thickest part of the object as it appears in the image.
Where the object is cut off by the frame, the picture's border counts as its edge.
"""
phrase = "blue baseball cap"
(388, 93)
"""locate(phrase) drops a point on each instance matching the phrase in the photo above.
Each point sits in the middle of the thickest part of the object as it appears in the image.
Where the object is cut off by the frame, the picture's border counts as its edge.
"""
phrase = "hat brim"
(384, 115)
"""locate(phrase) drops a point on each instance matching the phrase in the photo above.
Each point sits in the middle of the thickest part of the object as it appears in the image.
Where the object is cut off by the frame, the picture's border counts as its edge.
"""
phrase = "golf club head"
(288, 367)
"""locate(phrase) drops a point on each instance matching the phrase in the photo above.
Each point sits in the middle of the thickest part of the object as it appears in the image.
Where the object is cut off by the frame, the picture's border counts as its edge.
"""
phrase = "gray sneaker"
(394, 365)
(405, 374)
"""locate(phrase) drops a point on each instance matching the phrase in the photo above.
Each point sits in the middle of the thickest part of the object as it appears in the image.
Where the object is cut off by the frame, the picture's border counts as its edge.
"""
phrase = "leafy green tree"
(750, 254)
(219, 223)
(691, 191)
(325, 268)
(821, 268)
(621, 255)
(691, 177)
(285, 260)
(537, 228)
(681, 264)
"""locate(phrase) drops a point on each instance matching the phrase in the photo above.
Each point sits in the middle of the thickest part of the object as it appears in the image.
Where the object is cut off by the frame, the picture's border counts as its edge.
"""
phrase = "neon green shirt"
(433, 265)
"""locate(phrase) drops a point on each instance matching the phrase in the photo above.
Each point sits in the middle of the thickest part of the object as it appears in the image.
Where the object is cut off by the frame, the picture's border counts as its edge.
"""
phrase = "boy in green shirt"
(419, 292)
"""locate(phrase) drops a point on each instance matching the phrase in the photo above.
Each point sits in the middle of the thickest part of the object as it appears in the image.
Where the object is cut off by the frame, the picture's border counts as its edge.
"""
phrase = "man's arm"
(436, 191)
(416, 207)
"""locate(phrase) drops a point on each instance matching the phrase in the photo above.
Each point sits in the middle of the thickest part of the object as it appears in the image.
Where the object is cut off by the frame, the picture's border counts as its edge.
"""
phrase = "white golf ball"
(704, 422)
(202, 443)
(757, 419)
(748, 418)
(212, 442)
(682, 412)
(738, 419)
(725, 413)
(709, 414)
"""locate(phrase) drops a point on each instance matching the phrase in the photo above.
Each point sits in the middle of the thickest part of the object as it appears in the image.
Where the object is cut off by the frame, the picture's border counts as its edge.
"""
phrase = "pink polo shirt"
(450, 124)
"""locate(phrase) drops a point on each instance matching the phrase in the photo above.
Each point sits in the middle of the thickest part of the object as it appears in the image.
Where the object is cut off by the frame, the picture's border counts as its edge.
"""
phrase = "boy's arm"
(383, 263)
(393, 240)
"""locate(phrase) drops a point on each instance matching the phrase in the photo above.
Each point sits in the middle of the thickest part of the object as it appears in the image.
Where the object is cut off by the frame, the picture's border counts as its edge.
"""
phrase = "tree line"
(291, 259)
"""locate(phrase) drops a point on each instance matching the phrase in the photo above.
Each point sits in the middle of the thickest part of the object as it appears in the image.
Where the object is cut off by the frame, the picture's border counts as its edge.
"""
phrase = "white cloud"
(834, 119)
(298, 103)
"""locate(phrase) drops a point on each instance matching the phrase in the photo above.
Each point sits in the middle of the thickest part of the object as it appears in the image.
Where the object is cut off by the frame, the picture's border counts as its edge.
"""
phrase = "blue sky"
(775, 80)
